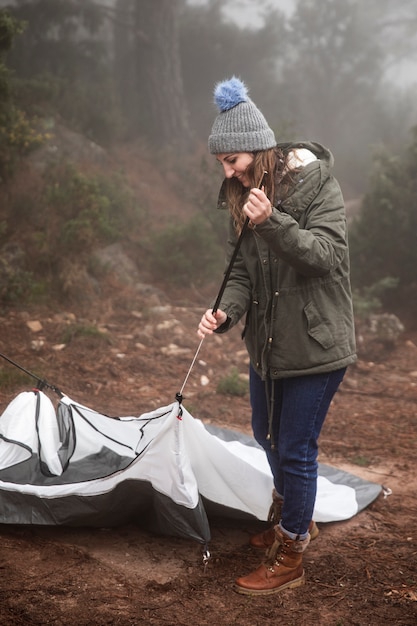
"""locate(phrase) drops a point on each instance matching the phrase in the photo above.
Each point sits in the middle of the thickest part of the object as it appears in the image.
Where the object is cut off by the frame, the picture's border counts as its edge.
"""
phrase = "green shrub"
(15, 280)
(85, 331)
(382, 237)
(232, 384)
(186, 252)
(18, 134)
(88, 209)
(361, 461)
(80, 213)
(65, 221)
(12, 378)
(368, 300)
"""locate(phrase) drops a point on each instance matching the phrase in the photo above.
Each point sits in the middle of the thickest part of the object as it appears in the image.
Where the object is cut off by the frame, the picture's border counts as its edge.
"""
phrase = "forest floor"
(359, 572)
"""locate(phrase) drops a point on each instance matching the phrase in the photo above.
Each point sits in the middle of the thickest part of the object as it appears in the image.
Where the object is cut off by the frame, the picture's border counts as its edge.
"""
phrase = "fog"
(250, 15)
(130, 73)
(247, 14)
(341, 72)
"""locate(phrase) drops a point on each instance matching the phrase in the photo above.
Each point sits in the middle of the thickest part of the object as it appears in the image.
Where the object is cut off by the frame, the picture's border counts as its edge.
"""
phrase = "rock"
(173, 350)
(62, 143)
(377, 334)
(159, 311)
(386, 328)
(37, 344)
(113, 260)
(65, 317)
(35, 326)
(167, 325)
(59, 346)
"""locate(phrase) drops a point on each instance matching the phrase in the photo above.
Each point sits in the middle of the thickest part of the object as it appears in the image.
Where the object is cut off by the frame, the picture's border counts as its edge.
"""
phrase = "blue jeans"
(299, 407)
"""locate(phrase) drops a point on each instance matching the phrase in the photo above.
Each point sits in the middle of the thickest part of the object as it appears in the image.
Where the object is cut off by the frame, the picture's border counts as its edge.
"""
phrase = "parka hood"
(316, 148)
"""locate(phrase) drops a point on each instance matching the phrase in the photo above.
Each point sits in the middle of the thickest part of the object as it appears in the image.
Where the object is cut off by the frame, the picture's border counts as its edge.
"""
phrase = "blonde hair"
(267, 170)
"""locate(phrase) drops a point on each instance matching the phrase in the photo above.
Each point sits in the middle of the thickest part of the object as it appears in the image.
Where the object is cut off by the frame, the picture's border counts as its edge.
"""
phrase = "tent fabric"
(163, 469)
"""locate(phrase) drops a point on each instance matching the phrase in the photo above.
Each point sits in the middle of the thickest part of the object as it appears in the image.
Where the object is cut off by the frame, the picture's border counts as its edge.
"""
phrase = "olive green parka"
(291, 278)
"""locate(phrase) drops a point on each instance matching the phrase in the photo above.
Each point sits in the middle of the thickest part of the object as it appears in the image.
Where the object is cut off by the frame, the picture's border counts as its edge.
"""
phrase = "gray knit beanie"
(240, 125)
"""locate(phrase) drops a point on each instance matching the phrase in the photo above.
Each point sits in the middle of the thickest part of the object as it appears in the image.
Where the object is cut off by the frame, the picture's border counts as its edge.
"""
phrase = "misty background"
(142, 72)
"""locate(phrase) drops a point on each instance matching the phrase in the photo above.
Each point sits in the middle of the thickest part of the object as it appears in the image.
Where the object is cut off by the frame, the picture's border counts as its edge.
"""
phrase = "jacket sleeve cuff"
(224, 327)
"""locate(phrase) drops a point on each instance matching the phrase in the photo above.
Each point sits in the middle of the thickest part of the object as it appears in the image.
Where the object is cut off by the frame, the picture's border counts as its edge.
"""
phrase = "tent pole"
(230, 266)
(222, 288)
(40, 383)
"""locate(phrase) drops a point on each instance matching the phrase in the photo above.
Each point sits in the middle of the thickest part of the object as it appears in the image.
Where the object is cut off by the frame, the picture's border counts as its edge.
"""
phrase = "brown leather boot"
(283, 568)
(265, 539)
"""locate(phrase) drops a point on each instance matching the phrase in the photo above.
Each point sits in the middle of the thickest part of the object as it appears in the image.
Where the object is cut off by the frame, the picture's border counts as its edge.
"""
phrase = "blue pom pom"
(229, 93)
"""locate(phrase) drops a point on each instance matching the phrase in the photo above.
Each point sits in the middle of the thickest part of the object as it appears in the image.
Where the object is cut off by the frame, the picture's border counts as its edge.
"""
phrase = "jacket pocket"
(317, 327)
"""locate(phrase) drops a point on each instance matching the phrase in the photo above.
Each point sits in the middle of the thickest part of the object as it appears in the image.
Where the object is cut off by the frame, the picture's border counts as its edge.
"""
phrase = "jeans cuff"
(293, 536)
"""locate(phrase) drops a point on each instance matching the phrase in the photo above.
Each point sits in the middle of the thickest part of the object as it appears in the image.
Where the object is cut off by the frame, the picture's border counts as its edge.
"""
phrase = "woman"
(291, 281)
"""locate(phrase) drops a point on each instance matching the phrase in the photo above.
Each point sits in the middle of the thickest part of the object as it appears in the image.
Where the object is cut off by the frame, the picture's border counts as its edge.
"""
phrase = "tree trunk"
(124, 68)
(150, 76)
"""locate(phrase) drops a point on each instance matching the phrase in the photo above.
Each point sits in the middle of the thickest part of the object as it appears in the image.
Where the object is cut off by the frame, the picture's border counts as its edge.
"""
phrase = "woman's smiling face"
(235, 165)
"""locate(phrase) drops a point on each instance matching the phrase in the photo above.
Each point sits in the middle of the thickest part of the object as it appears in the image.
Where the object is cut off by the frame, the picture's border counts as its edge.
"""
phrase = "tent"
(164, 469)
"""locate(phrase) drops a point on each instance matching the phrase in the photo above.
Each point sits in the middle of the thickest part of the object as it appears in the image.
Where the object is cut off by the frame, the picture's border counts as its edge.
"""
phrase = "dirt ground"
(359, 572)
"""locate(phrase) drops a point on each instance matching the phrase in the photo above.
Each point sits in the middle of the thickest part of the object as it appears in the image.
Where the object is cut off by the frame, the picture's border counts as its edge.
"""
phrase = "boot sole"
(292, 584)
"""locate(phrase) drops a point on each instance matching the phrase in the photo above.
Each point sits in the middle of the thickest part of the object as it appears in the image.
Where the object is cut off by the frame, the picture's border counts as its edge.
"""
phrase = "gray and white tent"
(164, 469)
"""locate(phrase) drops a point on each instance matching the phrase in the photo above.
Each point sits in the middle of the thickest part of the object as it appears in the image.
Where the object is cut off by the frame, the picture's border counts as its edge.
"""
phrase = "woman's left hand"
(258, 207)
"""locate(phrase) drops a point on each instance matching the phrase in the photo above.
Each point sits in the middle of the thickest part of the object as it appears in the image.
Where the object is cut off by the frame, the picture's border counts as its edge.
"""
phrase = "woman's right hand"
(209, 322)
